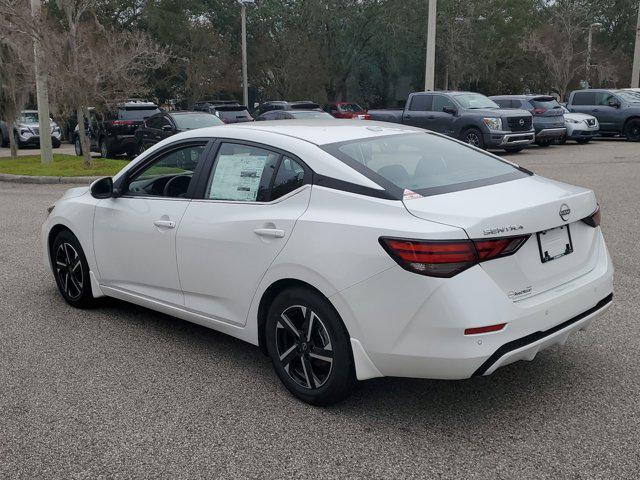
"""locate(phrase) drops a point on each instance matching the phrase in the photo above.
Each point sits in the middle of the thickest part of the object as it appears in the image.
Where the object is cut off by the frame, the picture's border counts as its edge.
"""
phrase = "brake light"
(593, 220)
(538, 111)
(123, 122)
(487, 329)
(446, 258)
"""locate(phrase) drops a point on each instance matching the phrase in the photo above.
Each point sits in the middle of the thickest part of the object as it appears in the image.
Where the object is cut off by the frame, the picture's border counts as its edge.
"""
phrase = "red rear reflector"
(538, 111)
(593, 220)
(446, 258)
(123, 122)
(488, 329)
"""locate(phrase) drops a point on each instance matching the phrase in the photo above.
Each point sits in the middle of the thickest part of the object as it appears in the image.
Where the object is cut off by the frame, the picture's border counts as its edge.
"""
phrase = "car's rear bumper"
(413, 326)
(578, 133)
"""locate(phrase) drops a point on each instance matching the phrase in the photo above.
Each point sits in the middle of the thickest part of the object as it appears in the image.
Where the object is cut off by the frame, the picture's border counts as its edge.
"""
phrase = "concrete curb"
(6, 177)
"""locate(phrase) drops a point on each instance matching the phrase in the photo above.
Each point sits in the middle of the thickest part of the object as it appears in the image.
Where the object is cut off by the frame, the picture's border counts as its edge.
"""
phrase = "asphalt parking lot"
(124, 392)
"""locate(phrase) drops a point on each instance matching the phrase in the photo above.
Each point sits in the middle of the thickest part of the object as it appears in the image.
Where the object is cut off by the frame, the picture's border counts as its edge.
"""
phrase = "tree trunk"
(84, 140)
(12, 140)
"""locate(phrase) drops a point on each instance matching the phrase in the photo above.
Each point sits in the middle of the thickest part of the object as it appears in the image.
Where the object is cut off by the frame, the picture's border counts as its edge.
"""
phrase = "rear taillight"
(446, 258)
(593, 220)
(538, 111)
(123, 122)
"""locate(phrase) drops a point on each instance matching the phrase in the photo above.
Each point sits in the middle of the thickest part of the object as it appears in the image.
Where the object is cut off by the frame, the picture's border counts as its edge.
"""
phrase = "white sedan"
(346, 250)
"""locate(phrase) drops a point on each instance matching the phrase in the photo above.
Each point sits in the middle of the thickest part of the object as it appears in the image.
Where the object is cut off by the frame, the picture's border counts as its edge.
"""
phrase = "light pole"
(429, 80)
(597, 24)
(635, 72)
(245, 84)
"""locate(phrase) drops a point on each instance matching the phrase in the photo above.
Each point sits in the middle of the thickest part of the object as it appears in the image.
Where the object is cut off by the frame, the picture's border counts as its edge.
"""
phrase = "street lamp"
(596, 24)
(245, 85)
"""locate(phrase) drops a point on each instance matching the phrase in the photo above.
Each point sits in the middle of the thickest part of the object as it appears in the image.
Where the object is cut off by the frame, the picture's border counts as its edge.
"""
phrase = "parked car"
(548, 120)
(162, 125)
(229, 111)
(284, 105)
(26, 131)
(580, 127)
(294, 114)
(114, 132)
(346, 251)
(617, 111)
(346, 110)
(470, 117)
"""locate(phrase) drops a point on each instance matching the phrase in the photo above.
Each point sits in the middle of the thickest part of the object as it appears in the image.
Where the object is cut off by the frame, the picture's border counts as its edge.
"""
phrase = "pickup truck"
(470, 117)
(617, 111)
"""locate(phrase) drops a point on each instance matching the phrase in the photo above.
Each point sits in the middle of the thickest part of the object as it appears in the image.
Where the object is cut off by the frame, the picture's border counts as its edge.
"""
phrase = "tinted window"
(584, 98)
(290, 177)
(196, 120)
(136, 113)
(155, 122)
(421, 103)
(242, 173)
(440, 101)
(546, 103)
(169, 175)
(424, 163)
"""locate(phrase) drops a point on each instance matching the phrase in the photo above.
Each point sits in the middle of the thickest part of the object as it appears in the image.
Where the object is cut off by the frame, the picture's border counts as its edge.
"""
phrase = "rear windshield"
(311, 115)
(423, 163)
(136, 113)
(545, 102)
(196, 120)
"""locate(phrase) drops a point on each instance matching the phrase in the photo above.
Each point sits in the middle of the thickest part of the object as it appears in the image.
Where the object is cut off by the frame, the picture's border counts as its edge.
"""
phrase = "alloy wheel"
(104, 153)
(78, 147)
(304, 346)
(69, 270)
(472, 139)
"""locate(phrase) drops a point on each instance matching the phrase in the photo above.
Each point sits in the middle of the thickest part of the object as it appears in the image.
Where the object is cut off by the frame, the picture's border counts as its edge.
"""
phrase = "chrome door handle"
(269, 232)
(165, 224)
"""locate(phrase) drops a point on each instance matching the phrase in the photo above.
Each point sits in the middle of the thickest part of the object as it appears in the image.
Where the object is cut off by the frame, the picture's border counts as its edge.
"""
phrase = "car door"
(134, 235)
(167, 127)
(608, 116)
(584, 102)
(229, 237)
(418, 110)
(438, 120)
(153, 133)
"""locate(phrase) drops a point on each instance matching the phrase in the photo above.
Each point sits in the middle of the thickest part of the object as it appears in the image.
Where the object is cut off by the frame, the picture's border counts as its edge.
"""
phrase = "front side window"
(423, 162)
(440, 101)
(169, 175)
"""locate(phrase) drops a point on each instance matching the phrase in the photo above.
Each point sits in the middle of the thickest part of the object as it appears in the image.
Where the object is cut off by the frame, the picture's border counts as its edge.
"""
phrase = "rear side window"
(584, 98)
(421, 103)
(423, 163)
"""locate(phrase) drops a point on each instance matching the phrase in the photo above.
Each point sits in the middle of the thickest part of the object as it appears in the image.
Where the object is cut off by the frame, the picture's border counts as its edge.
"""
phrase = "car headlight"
(571, 120)
(24, 129)
(493, 123)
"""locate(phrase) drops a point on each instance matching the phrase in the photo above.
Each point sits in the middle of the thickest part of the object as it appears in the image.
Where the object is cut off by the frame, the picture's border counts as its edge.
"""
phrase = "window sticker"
(237, 177)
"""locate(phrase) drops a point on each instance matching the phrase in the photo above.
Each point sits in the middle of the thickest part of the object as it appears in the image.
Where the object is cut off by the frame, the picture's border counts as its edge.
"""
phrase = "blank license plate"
(554, 243)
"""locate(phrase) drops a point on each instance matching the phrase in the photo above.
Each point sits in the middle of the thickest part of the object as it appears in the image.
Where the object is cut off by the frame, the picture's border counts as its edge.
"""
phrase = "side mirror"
(614, 103)
(102, 188)
(450, 110)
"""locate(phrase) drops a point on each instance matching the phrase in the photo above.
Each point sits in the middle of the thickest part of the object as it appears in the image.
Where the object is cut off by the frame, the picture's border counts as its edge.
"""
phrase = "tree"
(93, 64)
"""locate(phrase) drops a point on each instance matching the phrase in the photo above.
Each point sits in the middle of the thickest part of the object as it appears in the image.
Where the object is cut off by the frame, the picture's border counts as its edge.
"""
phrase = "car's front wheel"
(71, 270)
(309, 347)
(104, 149)
(473, 136)
(632, 130)
(78, 147)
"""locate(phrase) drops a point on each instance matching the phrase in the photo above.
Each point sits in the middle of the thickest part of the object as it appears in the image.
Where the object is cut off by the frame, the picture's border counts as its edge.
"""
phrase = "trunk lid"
(522, 207)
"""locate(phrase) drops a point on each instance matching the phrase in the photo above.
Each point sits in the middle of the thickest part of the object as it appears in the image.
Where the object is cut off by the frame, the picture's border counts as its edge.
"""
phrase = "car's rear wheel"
(473, 136)
(632, 130)
(309, 347)
(55, 143)
(78, 147)
(71, 270)
(104, 149)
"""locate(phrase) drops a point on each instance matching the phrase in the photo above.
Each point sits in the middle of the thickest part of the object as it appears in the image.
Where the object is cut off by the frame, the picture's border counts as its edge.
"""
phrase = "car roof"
(317, 132)
(187, 112)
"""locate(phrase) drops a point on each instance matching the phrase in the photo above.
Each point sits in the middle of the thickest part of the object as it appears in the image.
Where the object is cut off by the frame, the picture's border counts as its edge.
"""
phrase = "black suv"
(114, 133)
(284, 105)
(229, 111)
(548, 116)
(617, 111)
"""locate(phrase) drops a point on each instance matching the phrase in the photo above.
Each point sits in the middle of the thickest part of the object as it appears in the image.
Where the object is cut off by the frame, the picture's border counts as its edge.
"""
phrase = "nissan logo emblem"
(565, 211)
(521, 122)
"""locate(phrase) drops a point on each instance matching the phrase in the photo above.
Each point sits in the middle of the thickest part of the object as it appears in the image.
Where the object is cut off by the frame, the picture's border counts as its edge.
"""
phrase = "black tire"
(139, 149)
(4, 141)
(473, 136)
(71, 270)
(294, 351)
(632, 130)
(513, 149)
(55, 143)
(562, 140)
(543, 143)
(583, 141)
(104, 149)
(78, 146)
